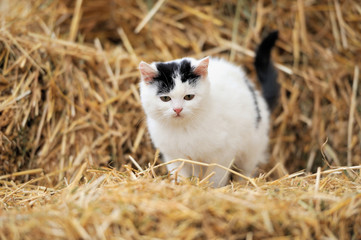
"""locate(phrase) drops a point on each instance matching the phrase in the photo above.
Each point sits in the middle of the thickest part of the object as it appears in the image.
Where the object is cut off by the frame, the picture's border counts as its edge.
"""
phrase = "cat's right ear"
(147, 72)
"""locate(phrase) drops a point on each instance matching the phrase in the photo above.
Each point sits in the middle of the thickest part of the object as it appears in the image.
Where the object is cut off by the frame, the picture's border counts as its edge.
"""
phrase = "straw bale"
(69, 76)
(70, 110)
(106, 204)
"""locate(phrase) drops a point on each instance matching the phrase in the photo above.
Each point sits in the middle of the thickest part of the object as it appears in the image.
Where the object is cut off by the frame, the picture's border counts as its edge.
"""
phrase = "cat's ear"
(202, 67)
(147, 72)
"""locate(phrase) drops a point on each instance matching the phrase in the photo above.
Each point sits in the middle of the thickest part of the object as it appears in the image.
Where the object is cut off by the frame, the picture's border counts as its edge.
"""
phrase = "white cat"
(208, 111)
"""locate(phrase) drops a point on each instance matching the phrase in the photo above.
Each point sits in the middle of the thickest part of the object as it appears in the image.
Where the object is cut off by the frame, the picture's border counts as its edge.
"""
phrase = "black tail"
(266, 73)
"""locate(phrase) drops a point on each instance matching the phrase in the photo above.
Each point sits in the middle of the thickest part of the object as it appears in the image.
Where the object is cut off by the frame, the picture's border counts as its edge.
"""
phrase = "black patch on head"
(164, 79)
(187, 72)
(167, 71)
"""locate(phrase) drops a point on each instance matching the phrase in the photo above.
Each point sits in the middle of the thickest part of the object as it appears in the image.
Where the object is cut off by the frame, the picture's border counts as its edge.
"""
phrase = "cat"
(208, 111)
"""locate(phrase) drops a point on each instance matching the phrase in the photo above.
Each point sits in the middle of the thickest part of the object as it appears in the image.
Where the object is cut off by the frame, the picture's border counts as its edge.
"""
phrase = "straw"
(112, 204)
(71, 115)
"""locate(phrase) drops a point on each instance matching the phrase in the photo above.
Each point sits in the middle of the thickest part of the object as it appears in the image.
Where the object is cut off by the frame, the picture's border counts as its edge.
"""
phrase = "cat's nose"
(177, 110)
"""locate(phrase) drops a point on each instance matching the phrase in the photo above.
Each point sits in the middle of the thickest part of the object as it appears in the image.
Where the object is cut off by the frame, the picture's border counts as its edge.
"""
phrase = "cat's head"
(174, 91)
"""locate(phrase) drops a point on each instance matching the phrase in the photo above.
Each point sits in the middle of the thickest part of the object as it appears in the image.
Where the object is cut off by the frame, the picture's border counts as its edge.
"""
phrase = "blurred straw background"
(69, 105)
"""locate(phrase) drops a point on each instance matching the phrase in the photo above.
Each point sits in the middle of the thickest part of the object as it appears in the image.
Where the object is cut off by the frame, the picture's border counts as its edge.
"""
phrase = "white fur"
(218, 126)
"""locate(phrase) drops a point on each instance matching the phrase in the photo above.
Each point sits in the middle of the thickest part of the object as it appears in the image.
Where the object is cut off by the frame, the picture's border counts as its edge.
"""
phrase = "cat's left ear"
(202, 67)
(147, 72)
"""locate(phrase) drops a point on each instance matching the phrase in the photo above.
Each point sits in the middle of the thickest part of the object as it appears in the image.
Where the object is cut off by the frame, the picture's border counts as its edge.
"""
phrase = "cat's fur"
(226, 121)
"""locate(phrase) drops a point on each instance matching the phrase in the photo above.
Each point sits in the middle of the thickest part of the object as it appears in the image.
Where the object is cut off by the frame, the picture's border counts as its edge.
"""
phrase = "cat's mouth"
(178, 116)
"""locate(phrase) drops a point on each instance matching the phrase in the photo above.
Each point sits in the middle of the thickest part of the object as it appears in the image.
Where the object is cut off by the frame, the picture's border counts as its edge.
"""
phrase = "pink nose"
(177, 110)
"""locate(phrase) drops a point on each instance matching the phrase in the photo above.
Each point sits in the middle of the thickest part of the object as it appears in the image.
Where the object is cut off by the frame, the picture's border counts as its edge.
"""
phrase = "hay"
(108, 204)
(69, 76)
(69, 101)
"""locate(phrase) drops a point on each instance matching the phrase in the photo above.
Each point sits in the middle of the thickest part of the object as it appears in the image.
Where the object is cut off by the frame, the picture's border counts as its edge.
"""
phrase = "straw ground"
(70, 117)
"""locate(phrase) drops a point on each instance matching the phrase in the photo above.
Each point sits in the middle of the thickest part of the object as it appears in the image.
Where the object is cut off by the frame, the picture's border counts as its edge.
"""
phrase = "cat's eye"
(189, 97)
(165, 98)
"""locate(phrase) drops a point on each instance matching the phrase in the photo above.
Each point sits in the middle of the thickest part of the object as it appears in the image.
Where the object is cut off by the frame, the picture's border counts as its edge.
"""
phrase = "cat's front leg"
(220, 177)
(183, 169)
(178, 167)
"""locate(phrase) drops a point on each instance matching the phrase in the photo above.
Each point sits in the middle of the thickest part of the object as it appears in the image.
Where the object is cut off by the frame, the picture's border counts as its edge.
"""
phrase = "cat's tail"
(266, 73)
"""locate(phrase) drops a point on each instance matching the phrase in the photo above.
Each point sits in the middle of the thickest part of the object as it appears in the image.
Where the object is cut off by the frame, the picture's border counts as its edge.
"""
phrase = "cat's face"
(174, 91)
